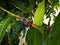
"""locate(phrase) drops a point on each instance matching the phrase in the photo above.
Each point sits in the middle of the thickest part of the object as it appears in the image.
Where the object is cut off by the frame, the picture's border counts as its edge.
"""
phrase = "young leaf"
(3, 26)
(39, 14)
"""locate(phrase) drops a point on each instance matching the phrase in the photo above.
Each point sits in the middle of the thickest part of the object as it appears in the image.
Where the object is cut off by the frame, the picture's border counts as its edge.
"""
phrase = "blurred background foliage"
(13, 32)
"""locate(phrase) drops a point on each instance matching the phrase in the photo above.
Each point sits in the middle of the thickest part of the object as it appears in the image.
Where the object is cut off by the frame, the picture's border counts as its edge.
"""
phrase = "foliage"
(35, 32)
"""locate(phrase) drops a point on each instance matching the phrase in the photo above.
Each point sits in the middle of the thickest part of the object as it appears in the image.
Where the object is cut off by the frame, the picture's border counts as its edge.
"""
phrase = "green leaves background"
(3, 26)
(46, 35)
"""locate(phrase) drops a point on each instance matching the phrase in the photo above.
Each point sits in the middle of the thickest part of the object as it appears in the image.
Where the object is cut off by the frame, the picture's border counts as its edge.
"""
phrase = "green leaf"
(54, 2)
(39, 14)
(45, 37)
(34, 37)
(54, 35)
(42, 28)
(3, 26)
(31, 5)
(19, 5)
(1, 15)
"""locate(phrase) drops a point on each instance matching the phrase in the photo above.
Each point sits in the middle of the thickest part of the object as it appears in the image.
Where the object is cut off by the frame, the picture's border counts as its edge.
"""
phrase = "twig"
(18, 17)
(35, 26)
(10, 12)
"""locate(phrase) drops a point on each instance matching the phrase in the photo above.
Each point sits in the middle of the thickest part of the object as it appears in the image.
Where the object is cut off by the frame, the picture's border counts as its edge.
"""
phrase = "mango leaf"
(39, 14)
(45, 37)
(54, 35)
(34, 37)
(3, 26)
